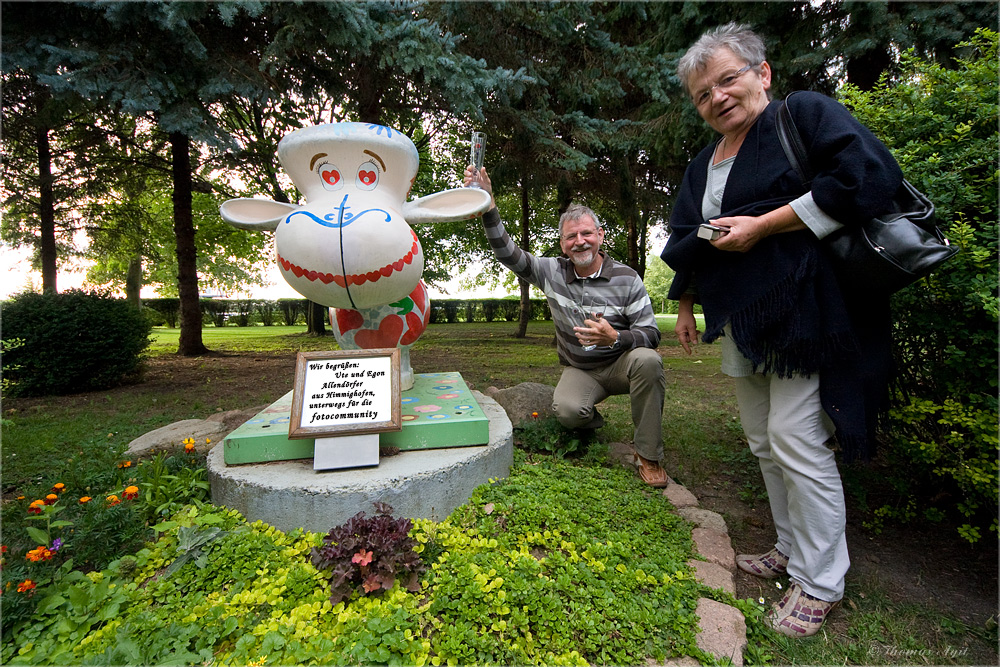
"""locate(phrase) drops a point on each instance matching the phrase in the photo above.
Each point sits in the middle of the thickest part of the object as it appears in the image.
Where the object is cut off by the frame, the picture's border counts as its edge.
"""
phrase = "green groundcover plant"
(558, 564)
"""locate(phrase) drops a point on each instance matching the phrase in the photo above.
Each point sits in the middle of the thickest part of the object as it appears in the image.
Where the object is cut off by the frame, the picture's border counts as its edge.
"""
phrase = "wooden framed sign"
(345, 392)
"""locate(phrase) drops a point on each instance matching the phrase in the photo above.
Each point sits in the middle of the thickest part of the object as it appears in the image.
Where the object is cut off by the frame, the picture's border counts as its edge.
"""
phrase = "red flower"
(362, 558)
(131, 492)
(25, 586)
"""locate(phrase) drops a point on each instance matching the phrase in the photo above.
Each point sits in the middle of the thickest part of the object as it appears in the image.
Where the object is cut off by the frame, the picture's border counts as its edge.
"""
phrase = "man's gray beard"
(579, 262)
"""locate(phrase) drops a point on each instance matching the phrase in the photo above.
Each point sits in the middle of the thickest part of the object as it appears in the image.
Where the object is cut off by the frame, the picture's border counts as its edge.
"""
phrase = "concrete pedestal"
(417, 484)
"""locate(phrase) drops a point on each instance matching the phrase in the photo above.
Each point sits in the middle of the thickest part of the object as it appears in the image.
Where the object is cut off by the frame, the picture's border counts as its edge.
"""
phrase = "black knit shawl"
(788, 312)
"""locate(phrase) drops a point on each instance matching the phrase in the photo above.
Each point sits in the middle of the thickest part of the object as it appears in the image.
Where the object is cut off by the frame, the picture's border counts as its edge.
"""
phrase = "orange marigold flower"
(534, 414)
(85, 499)
(125, 464)
(131, 492)
(36, 507)
(59, 487)
(113, 500)
(51, 499)
(188, 447)
(25, 586)
(39, 553)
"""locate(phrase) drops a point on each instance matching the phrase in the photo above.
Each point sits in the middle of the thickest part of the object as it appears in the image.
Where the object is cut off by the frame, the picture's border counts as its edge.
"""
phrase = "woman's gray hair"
(575, 212)
(736, 37)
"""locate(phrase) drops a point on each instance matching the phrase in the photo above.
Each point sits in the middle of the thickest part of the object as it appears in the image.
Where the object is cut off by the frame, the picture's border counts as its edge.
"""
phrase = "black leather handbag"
(887, 252)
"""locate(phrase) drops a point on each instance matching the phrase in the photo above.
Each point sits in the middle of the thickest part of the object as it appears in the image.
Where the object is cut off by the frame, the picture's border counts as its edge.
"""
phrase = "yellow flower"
(208, 441)
(113, 500)
(59, 487)
(188, 441)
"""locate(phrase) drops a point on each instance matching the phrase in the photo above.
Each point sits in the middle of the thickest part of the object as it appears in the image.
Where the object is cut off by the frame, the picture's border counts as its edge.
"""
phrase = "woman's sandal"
(771, 565)
(651, 472)
(800, 614)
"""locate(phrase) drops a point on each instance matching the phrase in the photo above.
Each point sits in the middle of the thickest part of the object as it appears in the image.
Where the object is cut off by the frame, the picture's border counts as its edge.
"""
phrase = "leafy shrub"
(168, 308)
(75, 341)
(548, 436)
(368, 555)
(941, 125)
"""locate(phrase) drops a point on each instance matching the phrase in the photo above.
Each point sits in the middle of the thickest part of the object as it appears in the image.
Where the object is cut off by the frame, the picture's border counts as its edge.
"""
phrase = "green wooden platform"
(439, 411)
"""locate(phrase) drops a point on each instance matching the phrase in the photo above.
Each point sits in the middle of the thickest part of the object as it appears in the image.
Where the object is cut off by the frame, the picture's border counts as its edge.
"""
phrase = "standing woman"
(811, 359)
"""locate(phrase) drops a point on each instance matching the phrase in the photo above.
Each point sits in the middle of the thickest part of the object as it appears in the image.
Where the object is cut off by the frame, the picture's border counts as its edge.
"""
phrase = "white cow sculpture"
(350, 247)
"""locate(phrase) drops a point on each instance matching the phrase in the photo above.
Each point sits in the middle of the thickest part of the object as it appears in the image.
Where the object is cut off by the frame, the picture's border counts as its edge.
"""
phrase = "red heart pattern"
(348, 319)
(387, 334)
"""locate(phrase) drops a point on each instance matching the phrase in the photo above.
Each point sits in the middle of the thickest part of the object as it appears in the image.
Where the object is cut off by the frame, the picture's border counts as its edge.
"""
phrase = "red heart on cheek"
(367, 177)
(331, 176)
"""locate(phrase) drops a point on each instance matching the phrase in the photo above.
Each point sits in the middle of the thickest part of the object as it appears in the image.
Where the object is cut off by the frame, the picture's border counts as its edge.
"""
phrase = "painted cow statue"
(350, 247)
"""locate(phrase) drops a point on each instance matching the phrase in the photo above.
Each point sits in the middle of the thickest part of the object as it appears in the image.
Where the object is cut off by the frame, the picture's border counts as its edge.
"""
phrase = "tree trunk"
(46, 212)
(190, 343)
(133, 282)
(630, 213)
(316, 315)
(525, 315)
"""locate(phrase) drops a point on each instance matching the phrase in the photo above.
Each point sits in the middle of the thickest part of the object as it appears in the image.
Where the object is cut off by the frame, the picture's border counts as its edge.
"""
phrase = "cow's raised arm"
(447, 206)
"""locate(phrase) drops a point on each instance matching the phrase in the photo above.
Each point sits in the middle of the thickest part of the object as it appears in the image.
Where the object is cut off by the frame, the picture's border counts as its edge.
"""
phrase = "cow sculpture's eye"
(367, 176)
(330, 176)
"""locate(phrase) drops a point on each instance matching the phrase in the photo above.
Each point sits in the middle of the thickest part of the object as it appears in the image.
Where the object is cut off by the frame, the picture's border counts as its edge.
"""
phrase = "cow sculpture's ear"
(255, 214)
(447, 206)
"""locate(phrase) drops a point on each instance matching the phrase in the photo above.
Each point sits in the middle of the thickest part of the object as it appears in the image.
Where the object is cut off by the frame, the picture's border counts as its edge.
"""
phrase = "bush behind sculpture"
(71, 342)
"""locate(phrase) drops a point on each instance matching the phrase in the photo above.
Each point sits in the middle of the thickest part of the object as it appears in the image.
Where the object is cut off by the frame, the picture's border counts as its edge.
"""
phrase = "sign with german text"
(346, 392)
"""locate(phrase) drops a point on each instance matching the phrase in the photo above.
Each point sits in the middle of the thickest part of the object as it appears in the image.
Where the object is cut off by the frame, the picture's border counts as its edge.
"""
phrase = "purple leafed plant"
(369, 555)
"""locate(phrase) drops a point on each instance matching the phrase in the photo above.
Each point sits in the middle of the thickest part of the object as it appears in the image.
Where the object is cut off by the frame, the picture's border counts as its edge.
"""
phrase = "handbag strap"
(791, 143)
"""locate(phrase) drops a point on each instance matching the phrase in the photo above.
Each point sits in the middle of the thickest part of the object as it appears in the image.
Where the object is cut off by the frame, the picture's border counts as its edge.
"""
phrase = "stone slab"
(172, 436)
(679, 496)
(723, 630)
(417, 484)
(439, 411)
(704, 518)
(713, 576)
(715, 546)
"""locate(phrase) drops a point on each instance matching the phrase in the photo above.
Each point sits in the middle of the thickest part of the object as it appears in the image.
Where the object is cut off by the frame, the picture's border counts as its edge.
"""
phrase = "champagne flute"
(476, 150)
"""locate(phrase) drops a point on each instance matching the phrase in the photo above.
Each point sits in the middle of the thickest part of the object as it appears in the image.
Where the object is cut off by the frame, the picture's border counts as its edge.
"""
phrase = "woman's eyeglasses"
(725, 83)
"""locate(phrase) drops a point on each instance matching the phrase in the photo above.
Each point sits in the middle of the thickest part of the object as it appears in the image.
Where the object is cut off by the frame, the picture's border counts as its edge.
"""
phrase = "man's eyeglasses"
(725, 83)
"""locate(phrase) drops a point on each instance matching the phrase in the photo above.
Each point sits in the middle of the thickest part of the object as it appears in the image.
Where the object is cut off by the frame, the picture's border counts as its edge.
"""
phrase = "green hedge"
(70, 342)
(249, 312)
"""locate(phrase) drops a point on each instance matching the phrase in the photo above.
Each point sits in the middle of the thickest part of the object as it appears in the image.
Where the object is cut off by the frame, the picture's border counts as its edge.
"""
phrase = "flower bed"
(558, 564)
